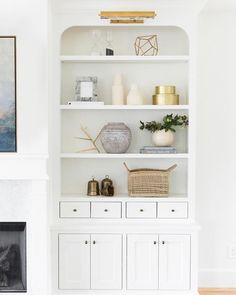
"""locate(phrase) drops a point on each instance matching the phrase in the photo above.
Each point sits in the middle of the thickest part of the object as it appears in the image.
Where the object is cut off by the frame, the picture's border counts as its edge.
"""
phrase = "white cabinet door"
(106, 261)
(74, 261)
(174, 262)
(142, 261)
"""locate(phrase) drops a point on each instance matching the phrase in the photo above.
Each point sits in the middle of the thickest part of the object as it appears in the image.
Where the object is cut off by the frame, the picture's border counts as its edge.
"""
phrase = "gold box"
(165, 99)
(168, 89)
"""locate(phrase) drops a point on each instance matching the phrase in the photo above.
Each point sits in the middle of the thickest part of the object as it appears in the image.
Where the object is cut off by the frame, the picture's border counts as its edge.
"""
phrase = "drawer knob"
(74, 210)
(163, 242)
(86, 242)
(141, 210)
(172, 210)
(94, 242)
(155, 242)
(105, 210)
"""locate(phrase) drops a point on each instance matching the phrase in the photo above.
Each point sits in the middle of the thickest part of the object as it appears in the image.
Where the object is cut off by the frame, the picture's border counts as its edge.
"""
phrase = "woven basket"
(148, 182)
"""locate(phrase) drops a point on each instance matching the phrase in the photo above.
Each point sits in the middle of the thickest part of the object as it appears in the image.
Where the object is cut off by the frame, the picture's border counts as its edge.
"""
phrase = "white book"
(85, 102)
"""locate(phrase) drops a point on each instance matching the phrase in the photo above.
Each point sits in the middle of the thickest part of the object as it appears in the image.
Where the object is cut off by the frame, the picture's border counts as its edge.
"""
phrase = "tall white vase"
(134, 97)
(118, 91)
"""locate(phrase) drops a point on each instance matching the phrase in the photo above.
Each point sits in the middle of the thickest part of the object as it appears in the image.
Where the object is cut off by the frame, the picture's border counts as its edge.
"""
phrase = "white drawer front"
(75, 209)
(140, 210)
(106, 210)
(172, 210)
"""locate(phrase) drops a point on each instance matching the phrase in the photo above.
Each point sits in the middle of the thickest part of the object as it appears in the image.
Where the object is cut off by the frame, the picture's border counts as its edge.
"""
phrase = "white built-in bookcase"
(171, 66)
(174, 65)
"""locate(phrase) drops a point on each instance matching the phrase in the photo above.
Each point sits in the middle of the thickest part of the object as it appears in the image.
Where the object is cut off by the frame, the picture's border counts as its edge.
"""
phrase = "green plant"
(168, 123)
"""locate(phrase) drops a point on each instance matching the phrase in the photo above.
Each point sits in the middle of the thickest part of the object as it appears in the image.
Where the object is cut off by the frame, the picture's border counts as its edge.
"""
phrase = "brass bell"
(107, 188)
(93, 188)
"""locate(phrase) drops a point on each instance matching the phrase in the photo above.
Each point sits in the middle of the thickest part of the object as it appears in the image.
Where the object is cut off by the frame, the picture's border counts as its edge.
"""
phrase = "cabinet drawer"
(172, 210)
(106, 210)
(75, 209)
(140, 210)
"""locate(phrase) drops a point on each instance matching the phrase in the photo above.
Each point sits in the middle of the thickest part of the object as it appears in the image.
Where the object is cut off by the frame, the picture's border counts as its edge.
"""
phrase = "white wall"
(26, 200)
(27, 20)
(216, 147)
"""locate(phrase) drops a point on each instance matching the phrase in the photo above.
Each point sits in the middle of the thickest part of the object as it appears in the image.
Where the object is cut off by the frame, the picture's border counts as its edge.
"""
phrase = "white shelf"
(123, 58)
(122, 156)
(124, 107)
(124, 197)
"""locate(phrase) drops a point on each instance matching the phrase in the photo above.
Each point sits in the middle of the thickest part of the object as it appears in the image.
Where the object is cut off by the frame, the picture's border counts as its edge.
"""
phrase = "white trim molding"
(217, 278)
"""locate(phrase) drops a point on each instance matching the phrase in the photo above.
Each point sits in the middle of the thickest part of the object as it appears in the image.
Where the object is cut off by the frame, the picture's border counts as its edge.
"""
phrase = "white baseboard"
(217, 278)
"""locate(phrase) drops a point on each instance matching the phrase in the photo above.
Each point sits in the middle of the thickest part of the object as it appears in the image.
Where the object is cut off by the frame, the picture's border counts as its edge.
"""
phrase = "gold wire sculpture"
(89, 138)
(146, 45)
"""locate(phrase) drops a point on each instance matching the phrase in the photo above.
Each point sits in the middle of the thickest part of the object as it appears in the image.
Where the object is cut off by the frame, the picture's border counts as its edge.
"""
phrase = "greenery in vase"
(169, 122)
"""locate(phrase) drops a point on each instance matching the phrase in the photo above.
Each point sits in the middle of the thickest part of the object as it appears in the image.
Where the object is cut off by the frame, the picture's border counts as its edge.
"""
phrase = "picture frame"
(8, 119)
(86, 89)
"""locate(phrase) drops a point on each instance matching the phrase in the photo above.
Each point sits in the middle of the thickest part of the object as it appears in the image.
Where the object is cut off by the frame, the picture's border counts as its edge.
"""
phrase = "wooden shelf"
(124, 107)
(122, 156)
(123, 58)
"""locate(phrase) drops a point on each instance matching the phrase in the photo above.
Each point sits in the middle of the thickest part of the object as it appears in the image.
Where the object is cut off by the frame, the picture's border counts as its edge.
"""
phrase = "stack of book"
(158, 150)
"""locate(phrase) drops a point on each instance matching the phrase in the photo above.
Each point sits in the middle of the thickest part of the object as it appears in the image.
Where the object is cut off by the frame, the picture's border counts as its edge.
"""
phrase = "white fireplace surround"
(26, 201)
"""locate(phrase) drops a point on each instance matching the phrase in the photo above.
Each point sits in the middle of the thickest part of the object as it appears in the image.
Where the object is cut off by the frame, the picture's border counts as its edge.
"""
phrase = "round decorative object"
(163, 138)
(115, 138)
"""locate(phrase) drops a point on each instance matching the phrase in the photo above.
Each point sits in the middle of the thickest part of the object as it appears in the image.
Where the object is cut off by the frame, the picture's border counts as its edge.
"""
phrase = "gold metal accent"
(89, 138)
(165, 99)
(146, 45)
(127, 21)
(167, 89)
(126, 17)
(127, 14)
(93, 188)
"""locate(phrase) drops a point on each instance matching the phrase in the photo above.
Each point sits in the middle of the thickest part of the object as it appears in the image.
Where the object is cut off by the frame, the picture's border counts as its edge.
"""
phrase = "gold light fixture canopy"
(127, 17)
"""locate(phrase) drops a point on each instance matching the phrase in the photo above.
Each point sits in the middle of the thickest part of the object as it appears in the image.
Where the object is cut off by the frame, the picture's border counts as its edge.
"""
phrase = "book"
(158, 150)
(85, 102)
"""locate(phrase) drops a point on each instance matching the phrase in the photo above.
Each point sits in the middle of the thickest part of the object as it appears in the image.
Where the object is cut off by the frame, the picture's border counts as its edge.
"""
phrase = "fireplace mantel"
(23, 166)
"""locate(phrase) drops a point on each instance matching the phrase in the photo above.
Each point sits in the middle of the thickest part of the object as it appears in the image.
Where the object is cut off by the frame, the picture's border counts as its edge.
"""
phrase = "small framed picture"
(86, 89)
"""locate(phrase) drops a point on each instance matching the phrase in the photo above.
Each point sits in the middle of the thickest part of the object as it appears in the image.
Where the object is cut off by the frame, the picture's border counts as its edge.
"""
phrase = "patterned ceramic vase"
(115, 138)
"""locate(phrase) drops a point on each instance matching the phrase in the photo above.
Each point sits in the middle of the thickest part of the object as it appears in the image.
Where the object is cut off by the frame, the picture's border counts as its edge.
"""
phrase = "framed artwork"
(8, 94)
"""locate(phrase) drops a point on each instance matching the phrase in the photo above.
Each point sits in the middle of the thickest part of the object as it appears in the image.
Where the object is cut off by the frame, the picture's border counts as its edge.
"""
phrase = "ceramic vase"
(134, 97)
(163, 138)
(118, 90)
(115, 138)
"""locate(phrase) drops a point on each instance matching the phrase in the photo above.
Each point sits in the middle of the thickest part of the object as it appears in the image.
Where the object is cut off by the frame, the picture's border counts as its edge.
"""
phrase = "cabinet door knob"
(172, 210)
(163, 242)
(86, 242)
(105, 210)
(94, 242)
(155, 242)
(74, 210)
(141, 210)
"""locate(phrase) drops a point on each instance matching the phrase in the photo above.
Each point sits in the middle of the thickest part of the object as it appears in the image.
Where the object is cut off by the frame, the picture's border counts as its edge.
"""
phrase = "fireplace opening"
(13, 257)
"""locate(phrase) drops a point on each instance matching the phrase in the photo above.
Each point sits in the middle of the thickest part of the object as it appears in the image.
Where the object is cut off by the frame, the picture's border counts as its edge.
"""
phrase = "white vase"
(118, 91)
(134, 97)
(163, 138)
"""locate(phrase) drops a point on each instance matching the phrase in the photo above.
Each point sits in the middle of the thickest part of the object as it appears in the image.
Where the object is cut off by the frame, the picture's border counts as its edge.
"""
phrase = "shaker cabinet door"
(174, 262)
(74, 261)
(142, 262)
(106, 261)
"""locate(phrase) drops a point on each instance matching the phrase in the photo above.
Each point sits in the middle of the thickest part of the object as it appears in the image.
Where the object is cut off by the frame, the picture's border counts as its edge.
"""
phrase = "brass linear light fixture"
(127, 17)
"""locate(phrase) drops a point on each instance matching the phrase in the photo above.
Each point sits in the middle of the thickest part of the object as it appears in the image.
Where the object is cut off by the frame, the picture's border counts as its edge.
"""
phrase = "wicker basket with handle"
(148, 182)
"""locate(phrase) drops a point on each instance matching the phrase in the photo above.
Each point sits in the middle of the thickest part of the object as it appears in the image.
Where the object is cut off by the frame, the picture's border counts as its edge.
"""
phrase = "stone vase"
(163, 138)
(115, 138)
